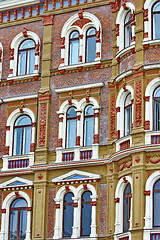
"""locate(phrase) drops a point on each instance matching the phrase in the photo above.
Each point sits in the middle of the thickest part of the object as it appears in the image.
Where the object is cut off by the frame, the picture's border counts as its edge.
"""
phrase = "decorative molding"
(48, 20)
(147, 125)
(138, 104)
(117, 200)
(113, 115)
(125, 164)
(42, 125)
(153, 159)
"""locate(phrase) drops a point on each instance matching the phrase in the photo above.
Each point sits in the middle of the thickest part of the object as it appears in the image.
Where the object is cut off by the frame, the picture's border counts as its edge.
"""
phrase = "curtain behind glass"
(31, 61)
(86, 214)
(13, 224)
(71, 133)
(74, 52)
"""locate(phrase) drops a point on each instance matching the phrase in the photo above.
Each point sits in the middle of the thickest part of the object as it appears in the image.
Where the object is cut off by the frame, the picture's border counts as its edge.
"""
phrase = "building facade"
(80, 119)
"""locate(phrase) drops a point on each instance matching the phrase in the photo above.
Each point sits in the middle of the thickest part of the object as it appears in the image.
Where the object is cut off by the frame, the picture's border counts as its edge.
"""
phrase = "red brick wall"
(7, 35)
(152, 55)
(74, 79)
(103, 210)
(51, 213)
(103, 13)
(127, 63)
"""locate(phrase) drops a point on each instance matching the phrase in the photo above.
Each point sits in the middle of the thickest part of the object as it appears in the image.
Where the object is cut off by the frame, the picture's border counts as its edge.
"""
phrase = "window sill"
(70, 67)
(17, 162)
(150, 42)
(124, 51)
(21, 77)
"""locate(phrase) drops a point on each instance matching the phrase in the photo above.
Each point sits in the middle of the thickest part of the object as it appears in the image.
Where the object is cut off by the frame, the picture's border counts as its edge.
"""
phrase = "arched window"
(71, 127)
(68, 215)
(18, 219)
(91, 45)
(26, 57)
(156, 98)
(156, 20)
(127, 115)
(86, 211)
(88, 125)
(126, 207)
(22, 135)
(74, 48)
(156, 200)
(127, 30)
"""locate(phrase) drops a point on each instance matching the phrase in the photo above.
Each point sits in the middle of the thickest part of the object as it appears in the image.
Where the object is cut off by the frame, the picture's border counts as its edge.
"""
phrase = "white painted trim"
(20, 98)
(119, 206)
(9, 134)
(68, 28)
(87, 175)
(16, 179)
(149, 104)
(5, 216)
(147, 24)
(122, 75)
(151, 66)
(9, 4)
(21, 77)
(70, 67)
(120, 103)
(125, 50)
(148, 136)
(15, 45)
(149, 203)
(92, 85)
(120, 20)
(77, 192)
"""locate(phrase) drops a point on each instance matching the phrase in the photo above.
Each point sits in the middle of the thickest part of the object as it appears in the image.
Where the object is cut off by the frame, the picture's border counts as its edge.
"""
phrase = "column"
(78, 137)
(75, 232)
(60, 138)
(93, 220)
(57, 221)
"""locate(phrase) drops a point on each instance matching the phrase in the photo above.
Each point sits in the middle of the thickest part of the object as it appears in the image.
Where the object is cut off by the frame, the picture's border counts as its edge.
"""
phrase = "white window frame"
(77, 192)
(119, 208)
(9, 136)
(68, 28)
(148, 24)
(149, 205)
(15, 45)
(120, 103)
(120, 20)
(5, 216)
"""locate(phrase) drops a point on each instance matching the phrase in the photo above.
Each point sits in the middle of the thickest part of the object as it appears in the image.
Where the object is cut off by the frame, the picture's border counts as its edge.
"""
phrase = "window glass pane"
(71, 133)
(127, 121)
(23, 224)
(128, 100)
(91, 49)
(128, 35)
(128, 18)
(23, 120)
(86, 196)
(13, 224)
(71, 113)
(74, 52)
(126, 217)
(156, 29)
(27, 44)
(127, 190)
(31, 61)
(156, 209)
(20, 202)
(26, 140)
(89, 131)
(157, 92)
(157, 185)
(157, 115)
(156, 7)
(91, 31)
(17, 141)
(89, 110)
(22, 63)
(68, 215)
(86, 214)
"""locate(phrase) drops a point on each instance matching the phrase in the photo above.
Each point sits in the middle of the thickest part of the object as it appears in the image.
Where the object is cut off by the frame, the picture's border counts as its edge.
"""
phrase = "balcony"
(17, 162)
(155, 236)
(77, 153)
